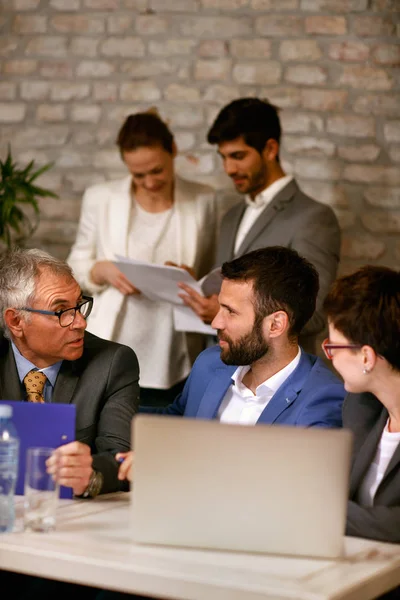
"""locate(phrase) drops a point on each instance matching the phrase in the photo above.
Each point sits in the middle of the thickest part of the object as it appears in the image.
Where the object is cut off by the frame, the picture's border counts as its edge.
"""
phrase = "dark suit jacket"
(311, 396)
(104, 386)
(366, 417)
(296, 221)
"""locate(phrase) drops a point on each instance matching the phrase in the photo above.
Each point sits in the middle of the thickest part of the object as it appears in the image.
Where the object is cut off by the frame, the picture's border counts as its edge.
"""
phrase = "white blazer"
(103, 233)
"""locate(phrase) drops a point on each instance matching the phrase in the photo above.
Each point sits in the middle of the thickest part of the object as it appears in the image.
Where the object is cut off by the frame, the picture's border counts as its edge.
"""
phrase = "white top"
(241, 406)
(142, 324)
(151, 235)
(386, 448)
(255, 207)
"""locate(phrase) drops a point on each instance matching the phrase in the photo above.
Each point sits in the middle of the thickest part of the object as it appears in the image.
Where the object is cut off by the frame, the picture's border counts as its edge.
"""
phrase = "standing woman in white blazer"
(150, 215)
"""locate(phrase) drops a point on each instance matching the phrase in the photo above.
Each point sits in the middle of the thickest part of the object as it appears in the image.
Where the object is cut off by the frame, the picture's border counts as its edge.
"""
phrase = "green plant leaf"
(8, 165)
(40, 171)
(37, 191)
(17, 193)
(25, 172)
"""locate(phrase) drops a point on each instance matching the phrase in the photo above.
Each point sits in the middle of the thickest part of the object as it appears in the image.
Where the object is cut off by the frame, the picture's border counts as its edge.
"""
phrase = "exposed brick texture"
(71, 71)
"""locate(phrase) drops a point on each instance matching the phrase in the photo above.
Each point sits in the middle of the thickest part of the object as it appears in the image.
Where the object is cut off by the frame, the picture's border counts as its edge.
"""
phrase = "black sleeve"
(376, 522)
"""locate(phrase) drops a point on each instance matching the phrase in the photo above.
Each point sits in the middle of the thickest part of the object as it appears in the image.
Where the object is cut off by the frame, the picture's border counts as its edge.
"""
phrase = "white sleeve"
(84, 252)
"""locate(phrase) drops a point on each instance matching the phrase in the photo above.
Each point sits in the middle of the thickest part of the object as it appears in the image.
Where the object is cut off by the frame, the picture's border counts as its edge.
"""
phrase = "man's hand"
(71, 465)
(205, 308)
(191, 272)
(104, 271)
(125, 470)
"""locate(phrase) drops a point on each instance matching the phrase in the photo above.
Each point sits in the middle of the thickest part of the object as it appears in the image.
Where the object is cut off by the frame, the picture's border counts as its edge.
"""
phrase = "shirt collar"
(24, 366)
(267, 195)
(273, 383)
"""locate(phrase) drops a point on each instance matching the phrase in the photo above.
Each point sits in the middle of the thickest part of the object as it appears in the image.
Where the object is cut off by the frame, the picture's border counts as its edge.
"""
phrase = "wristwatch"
(94, 486)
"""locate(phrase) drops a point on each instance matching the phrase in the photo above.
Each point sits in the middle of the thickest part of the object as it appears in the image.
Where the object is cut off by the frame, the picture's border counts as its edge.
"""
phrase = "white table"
(91, 546)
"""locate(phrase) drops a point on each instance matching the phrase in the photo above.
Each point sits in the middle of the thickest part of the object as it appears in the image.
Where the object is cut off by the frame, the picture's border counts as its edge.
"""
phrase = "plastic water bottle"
(9, 452)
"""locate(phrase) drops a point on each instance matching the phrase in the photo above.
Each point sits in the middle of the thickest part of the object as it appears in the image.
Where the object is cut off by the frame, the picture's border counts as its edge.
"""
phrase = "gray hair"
(19, 272)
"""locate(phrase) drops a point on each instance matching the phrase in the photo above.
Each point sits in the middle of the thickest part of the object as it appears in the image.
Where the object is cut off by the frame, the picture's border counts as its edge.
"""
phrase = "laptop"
(264, 488)
(44, 424)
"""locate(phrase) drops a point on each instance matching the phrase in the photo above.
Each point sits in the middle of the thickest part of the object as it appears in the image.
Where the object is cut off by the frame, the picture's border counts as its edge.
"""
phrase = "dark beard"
(247, 350)
(258, 181)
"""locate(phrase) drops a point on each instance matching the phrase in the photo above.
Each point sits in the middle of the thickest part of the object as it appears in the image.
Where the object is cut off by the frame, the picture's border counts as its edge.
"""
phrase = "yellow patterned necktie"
(34, 382)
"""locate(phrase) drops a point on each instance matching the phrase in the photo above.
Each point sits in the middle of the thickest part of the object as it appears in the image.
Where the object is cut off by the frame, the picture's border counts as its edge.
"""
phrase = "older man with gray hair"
(43, 316)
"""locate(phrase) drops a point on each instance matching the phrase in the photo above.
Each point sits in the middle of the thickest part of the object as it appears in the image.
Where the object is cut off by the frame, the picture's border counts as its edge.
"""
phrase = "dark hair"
(144, 130)
(282, 280)
(365, 308)
(255, 120)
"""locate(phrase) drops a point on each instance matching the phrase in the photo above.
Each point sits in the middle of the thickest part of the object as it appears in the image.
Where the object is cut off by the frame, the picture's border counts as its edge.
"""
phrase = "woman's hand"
(105, 272)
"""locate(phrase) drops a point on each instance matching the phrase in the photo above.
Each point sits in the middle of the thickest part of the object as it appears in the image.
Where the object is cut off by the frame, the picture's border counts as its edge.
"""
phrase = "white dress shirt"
(255, 207)
(241, 406)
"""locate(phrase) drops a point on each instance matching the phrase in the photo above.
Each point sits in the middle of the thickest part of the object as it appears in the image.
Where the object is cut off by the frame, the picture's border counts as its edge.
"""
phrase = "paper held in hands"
(160, 283)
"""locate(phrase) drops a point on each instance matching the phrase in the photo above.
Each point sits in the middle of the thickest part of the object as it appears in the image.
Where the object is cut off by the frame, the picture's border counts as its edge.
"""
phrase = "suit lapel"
(366, 453)
(226, 245)
(66, 382)
(278, 204)
(119, 215)
(187, 226)
(287, 393)
(215, 392)
(10, 385)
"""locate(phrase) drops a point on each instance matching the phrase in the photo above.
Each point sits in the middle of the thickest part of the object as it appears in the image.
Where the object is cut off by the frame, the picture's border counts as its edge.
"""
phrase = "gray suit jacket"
(366, 417)
(104, 386)
(296, 221)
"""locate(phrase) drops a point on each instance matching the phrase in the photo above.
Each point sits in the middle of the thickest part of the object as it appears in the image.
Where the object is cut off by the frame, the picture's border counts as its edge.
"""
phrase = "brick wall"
(71, 70)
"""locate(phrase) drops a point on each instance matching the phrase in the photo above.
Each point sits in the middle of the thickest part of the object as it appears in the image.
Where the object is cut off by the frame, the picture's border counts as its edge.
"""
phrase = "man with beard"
(274, 211)
(259, 373)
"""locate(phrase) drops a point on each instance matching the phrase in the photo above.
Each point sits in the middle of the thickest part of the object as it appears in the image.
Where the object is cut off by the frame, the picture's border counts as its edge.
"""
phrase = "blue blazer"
(311, 396)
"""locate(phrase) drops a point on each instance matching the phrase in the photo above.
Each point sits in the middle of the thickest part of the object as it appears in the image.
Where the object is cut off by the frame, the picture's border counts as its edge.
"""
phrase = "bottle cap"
(5, 411)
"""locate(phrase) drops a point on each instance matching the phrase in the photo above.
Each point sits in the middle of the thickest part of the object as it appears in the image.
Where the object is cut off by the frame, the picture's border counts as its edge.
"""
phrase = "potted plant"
(19, 208)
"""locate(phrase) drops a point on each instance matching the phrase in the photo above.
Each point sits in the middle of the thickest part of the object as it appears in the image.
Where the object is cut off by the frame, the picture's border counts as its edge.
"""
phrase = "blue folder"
(44, 424)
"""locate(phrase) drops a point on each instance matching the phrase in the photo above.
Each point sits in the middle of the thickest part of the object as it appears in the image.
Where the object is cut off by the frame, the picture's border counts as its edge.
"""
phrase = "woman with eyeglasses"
(363, 311)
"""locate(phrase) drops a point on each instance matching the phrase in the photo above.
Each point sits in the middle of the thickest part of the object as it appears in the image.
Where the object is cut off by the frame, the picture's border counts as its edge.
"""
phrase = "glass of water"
(41, 491)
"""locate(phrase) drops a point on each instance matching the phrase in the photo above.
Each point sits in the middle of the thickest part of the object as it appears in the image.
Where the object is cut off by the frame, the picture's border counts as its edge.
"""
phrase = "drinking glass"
(41, 491)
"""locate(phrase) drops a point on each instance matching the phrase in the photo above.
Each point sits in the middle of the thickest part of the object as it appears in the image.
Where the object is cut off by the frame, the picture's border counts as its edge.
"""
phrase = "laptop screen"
(263, 488)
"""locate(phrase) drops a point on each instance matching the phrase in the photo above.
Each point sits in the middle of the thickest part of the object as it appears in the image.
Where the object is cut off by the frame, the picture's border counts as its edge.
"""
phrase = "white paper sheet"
(187, 320)
(156, 282)
(160, 283)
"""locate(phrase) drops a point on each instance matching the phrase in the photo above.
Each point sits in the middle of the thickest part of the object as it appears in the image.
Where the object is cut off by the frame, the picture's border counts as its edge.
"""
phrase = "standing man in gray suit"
(43, 317)
(273, 212)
